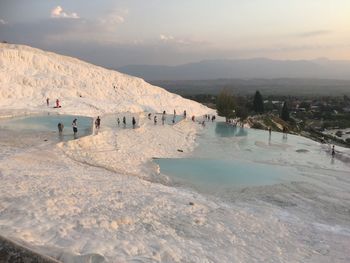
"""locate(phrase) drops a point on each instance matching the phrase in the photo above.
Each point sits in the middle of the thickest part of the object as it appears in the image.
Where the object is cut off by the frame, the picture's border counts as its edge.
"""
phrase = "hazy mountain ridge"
(244, 69)
(283, 86)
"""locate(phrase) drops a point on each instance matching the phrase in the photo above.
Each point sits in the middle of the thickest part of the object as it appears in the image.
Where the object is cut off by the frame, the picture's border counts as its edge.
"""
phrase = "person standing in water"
(75, 127)
(185, 114)
(124, 121)
(133, 122)
(60, 127)
(333, 152)
(155, 120)
(269, 131)
(47, 102)
(118, 121)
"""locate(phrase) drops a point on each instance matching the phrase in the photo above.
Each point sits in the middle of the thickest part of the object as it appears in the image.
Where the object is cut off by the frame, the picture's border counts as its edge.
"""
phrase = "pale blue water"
(48, 123)
(230, 157)
(216, 175)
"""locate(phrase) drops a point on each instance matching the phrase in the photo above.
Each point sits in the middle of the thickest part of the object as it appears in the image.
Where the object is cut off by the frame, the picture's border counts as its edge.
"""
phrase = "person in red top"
(58, 104)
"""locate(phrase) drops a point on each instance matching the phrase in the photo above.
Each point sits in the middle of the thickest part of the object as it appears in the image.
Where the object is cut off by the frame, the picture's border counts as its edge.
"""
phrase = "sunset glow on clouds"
(172, 32)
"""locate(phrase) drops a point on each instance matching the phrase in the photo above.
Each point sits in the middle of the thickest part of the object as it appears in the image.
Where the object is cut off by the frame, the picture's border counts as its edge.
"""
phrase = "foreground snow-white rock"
(84, 199)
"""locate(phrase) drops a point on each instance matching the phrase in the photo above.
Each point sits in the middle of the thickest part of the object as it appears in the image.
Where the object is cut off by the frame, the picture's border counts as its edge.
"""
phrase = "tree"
(285, 112)
(242, 112)
(258, 103)
(225, 104)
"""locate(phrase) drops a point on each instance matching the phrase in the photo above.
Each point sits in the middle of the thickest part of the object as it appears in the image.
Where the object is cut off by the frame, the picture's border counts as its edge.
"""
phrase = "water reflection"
(223, 129)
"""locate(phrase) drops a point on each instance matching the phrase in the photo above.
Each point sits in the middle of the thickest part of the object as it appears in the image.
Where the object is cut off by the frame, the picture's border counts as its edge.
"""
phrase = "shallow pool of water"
(230, 157)
(215, 175)
(48, 123)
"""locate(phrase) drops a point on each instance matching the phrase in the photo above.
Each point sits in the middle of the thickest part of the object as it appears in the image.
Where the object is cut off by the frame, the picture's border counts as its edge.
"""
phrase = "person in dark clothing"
(333, 152)
(133, 122)
(47, 102)
(118, 121)
(149, 116)
(185, 114)
(75, 127)
(124, 121)
(97, 122)
(60, 127)
(155, 120)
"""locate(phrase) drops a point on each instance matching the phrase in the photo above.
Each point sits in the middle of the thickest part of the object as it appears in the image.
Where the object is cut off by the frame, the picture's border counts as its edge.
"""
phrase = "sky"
(114, 33)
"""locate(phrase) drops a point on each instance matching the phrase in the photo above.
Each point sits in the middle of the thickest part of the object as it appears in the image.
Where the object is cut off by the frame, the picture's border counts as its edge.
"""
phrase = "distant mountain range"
(244, 69)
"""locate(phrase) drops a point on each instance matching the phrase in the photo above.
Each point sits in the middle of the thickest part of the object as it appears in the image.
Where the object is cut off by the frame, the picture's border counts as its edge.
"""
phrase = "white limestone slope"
(28, 76)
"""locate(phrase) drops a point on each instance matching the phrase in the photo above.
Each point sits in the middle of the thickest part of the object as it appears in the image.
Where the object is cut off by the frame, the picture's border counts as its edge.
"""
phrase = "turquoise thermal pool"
(228, 157)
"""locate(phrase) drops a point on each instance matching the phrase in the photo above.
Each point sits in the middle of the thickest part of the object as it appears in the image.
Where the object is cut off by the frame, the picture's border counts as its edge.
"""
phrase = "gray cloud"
(58, 12)
(315, 33)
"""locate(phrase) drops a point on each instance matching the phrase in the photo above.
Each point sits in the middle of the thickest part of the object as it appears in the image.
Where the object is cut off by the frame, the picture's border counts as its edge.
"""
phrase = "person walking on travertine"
(163, 118)
(97, 122)
(124, 121)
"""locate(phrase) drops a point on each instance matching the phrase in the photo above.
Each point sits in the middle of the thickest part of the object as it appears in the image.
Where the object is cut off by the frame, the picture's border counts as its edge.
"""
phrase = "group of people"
(208, 117)
(163, 118)
(60, 127)
(58, 105)
(133, 121)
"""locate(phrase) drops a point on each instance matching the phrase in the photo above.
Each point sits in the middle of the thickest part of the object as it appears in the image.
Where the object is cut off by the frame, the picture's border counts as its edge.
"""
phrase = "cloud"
(113, 19)
(184, 42)
(3, 22)
(58, 12)
(315, 33)
(166, 38)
